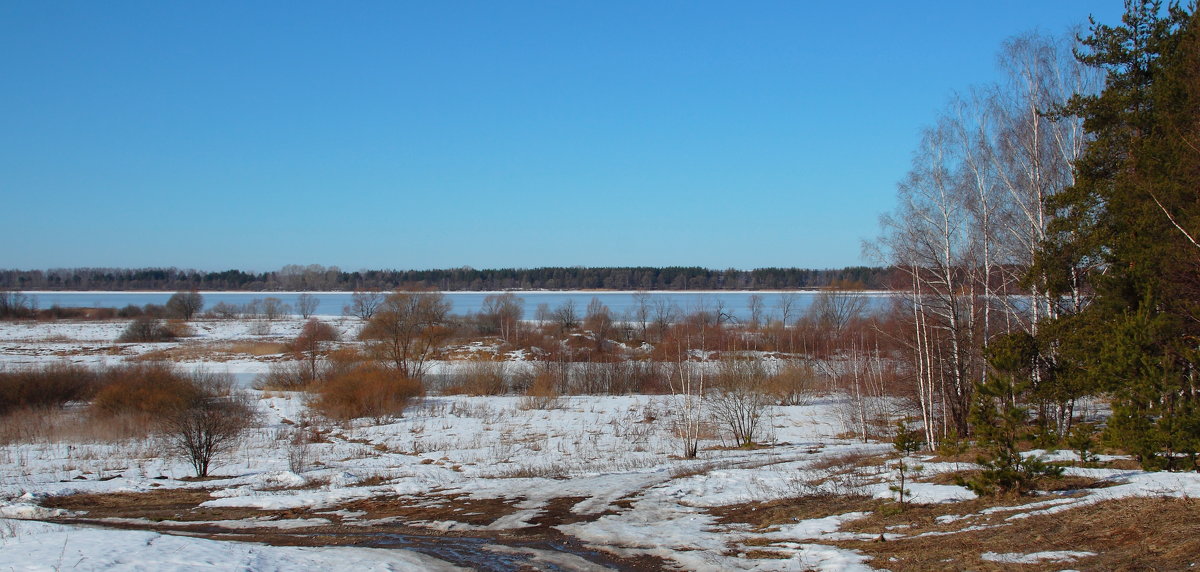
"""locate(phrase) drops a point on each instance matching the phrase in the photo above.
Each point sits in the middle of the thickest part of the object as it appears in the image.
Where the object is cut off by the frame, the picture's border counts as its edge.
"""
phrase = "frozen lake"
(620, 303)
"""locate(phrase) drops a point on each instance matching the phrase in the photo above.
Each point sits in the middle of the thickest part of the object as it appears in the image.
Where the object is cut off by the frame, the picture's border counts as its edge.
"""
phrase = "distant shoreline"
(540, 291)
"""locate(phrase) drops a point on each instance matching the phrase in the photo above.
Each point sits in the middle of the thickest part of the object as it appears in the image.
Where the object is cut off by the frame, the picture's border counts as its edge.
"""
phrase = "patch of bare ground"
(178, 510)
(181, 505)
(457, 507)
(762, 516)
(1124, 534)
(559, 511)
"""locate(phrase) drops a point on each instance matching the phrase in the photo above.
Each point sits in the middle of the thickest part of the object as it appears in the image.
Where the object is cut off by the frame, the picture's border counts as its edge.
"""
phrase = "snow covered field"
(588, 483)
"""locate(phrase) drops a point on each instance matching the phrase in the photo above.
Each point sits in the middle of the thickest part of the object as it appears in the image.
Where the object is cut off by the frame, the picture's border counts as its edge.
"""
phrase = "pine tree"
(1000, 424)
(1132, 216)
(907, 442)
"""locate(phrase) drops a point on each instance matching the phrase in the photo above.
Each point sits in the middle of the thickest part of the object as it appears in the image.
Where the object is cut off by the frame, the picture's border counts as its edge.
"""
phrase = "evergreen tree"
(1132, 217)
(1000, 424)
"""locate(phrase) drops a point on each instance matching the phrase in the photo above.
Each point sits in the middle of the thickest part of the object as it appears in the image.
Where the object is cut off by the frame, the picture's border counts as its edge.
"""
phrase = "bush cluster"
(367, 390)
(49, 386)
(146, 329)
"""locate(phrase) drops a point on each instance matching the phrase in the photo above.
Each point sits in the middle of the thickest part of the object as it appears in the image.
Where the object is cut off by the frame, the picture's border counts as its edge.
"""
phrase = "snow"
(43, 546)
(616, 456)
(1036, 557)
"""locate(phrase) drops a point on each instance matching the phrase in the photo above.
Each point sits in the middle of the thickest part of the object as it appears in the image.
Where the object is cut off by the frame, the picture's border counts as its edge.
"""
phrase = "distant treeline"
(321, 278)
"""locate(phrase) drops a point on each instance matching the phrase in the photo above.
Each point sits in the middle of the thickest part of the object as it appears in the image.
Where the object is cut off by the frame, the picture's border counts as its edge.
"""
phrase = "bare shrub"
(154, 310)
(30, 425)
(151, 390)
(224, 311)
(130, 311)
(179, 329)
(593, 378)
(208, 426)
(15, 304)
(48, 386)
(482, 377)
(146, 329)
(366, 391)
(739, 399)
(647, 376)
(303, 374)
(541, 393)
(285, 376)
(792, 384)
(299, 449)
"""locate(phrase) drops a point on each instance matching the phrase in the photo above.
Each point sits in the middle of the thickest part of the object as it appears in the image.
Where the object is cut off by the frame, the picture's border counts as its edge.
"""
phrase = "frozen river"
(622, 304)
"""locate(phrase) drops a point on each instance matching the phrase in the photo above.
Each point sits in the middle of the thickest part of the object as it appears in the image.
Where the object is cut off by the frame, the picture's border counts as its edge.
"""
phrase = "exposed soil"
(178, 510)
(763, 515)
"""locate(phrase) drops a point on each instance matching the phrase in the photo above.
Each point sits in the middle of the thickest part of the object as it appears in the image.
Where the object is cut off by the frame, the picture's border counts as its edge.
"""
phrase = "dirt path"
(388, 523)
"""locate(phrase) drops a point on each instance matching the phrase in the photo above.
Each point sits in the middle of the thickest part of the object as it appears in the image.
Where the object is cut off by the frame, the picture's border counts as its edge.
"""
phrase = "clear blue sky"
(250, 135)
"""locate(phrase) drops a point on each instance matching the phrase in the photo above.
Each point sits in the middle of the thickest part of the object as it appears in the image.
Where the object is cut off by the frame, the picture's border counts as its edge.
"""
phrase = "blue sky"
(251, 135)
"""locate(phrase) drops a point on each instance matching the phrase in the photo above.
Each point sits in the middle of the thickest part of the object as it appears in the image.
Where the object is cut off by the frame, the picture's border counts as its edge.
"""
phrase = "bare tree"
(543, 314)
(755, 305)
(687, 384)
(567, 316)
(836, 306)
(501, 315)
(664, 313)
(973, 215)
(273, 309)
(407, 329)
(306, 305)
(209, 425)
(641, 312)
(307, 346)
(599, 323)
(184, 305)
(363, 303)
(786, 304)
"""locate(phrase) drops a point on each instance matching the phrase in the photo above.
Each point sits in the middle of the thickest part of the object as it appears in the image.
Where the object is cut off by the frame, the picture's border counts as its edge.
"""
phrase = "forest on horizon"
(320, 278)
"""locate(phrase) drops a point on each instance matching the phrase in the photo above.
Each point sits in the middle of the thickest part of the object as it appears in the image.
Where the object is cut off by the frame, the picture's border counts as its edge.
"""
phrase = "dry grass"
(181, 505)
(456, 507)
(218, 352)
(1126, 534)
(764, 515)
(71, 425)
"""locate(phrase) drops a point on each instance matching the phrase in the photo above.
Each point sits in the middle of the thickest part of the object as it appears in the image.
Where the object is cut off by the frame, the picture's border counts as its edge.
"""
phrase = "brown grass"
(1126, 534)
(164, 504)
(223, 351)
(764, 515)
(456, 507)
(542, 394)
(70, 425)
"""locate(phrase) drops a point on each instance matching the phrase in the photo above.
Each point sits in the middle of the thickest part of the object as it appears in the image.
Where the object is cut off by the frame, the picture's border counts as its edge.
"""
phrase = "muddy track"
(516, 549)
